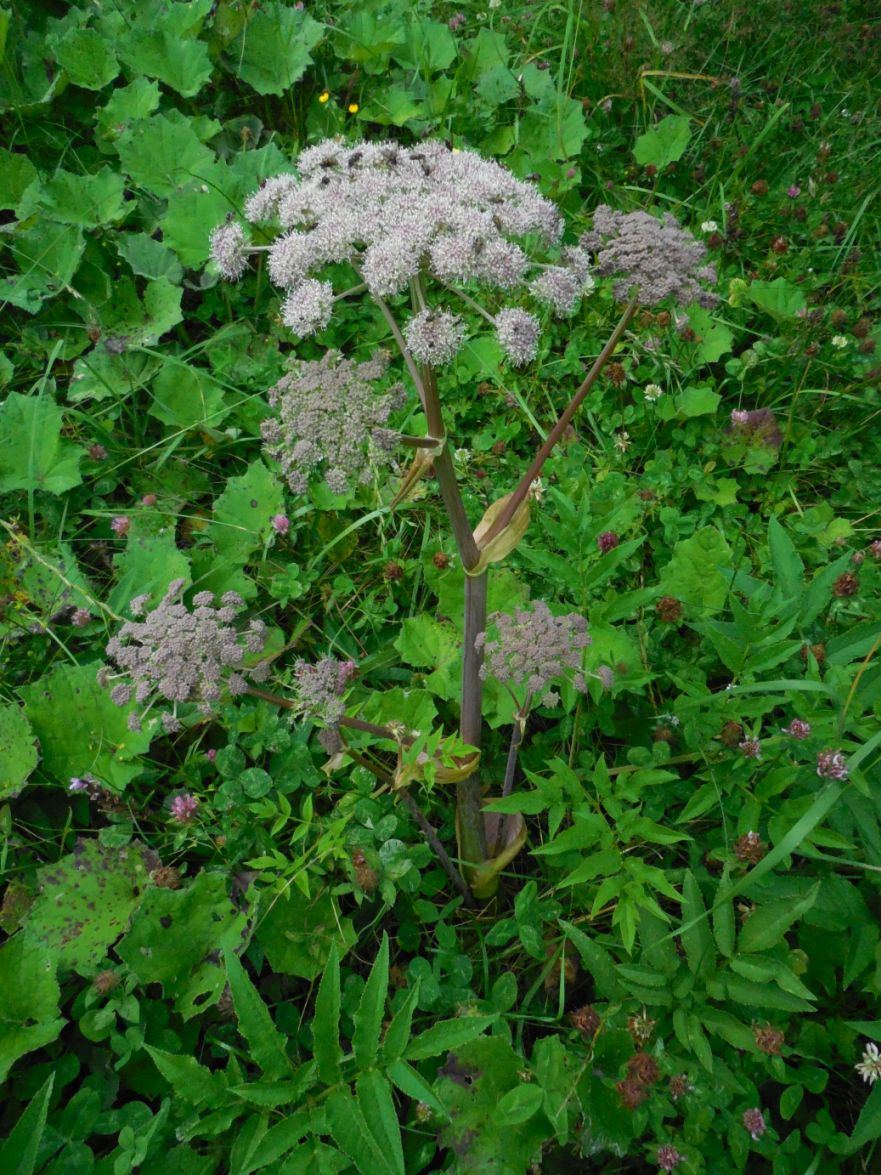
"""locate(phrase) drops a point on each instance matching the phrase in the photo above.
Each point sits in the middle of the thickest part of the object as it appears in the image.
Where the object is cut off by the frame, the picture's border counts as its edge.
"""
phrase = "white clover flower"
(709, 226)
(838, 341)
(652, 392)
(622, 441)
(869, 1068)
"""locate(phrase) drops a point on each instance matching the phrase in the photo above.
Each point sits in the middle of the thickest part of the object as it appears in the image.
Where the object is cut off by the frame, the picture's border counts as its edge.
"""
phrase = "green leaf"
(48, 255)
(520, 1103)
(86, 58)
(398, 1032)
(32, 453)
(182, 64)
(663, 143)
(697, 401)
(413, 1085)
(351, 1133)
(393, 106)
(149, 258)
(297, 935)
(94, 735)
(100, 374)
(149, 563)
(597, 961)
(447, 1035)
(18, 750)
(280, 1139)
(186, 397)
(377, 1104)
(761, 995)
(192, 1083)
(242, 513)
(162, 154)
(29, 1009)
(85, 200)
(18, 1154)
(127, 105)
(779, 298)
(693, 574)
(427, 642)
(714, 338)
(267, 1045)
(86, 902)
(326, 1022)
(788, 566)
(274, 50)
(17, 173)
(369, 1016)
(767, 925)
(696, 937)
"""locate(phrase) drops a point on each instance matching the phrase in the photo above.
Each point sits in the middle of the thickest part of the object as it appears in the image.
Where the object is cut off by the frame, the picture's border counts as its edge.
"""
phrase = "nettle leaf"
(267, 1045)
(79, 728)
(18, 750)
(182, 64)
(149, 258)
(163, 153)
(85, 200)
(48, 254)
(665, 142)
(127, 105)
(86, 58)
(243, 512)
(29, 1009)
(177, 937)
(32, 453)
(273, 51)
(85, 903)
(16, 174)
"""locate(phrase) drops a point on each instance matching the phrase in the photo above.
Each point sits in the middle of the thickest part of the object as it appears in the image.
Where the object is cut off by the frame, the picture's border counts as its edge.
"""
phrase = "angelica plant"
(445, 244)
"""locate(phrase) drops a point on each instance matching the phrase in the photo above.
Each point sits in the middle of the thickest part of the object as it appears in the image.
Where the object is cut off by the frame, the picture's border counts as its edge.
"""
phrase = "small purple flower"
(750, 748)
(120, 524)
(669, 1157)
(875, 549)
(799, 729)
(571, 173)
(754, 1121)
(97, 452)
(832, 765)
(281, 524)
(793, 192)
(739, 416)
(184, 808)
(211, 754)
(80, 617)
(456, 22)
(607, 541)
(77, 784)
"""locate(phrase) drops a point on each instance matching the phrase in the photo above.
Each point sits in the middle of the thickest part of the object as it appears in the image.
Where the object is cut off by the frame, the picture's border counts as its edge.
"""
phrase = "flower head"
(793, 191)
(832, 765)
(518, 332)
(652, 392)
(607, 541)
(669, 1157)
(534, 648)
(754, 1121)
(183, 808)
(435, 336)
(280, 523)
(839, 341)
(120, 525)
(319, 689)
(306, 309)
(869, 1068)
(229, 250)
(799, 729)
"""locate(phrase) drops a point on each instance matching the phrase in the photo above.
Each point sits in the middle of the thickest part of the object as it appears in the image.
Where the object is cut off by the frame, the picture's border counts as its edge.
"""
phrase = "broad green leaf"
(18, 1153)
(127, 105)
(787, 563)
(696, 937)
(697, 401)
(426, 642)
(182, 64)
(597, 961)
(48, 255)
(186, 397)
(750, 994)
(274, 50)
(29, 1009)
(723, 917)
(86, 902)
(767, 925)
(714, 339)
(520, 1103)
(377, 1105)
(94, 736)
(162, 154)
(693, 574)
(84, 200)
(393, 106)
(243, 513)
(868, 1127)
(297, 935)
(350, 1131)
(267, 1045)
(17, 173)
(149, 258)
(175, 939)
(280, 1139)
(32, 454)
(447, 1035)
(18, 750)
(663, 143)
(398, 1032)
(411, 1083)
(149, 563)
(134, 321)
(369, 1016)
(326, 1022)
(779, 298)
(86, 58)
(100, 374)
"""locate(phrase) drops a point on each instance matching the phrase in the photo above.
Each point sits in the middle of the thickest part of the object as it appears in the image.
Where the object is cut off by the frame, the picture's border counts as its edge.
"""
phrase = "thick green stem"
(560, 427)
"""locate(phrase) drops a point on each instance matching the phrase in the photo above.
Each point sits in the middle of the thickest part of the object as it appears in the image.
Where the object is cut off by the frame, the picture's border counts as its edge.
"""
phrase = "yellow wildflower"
(353, 108)
(324, 96)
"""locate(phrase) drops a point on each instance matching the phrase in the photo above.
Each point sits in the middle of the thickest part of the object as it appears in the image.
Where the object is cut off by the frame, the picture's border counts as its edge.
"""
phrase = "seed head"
(768, 1040)
(607, 541)
(749, 848)
(846, 585)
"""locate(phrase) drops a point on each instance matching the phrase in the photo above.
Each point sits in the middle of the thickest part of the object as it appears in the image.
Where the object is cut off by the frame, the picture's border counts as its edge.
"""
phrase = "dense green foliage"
(283, 979)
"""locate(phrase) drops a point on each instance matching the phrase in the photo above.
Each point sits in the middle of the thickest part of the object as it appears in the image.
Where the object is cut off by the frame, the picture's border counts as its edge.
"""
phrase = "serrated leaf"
(779, 298)
(17, 173)
(149, 258)
(371, 1009)
(84, 200)
(350, 1132)
(663, 143)
(447, 1035)
(696, 937)
(597, 961)
(326, 1022)
(426, 642)
(48, 255)
(267, 1045)
(377, 1104)
(162, 154)
(274, 50)
(86, 58)
(243, 513)
(767, 925)
(127, 105)
(192, 1083)
(787, 563)
(18, 1153)
(18, 750)
(32, 454)
(186, 397)
(182, 64)
(29, 1009)
(398, 1032)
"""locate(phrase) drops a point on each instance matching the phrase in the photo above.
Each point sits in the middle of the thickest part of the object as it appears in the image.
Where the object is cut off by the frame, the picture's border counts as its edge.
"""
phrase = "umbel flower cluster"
(330, 417)
(534, 648)
(319, 689)
(393, 213)
(178, 654)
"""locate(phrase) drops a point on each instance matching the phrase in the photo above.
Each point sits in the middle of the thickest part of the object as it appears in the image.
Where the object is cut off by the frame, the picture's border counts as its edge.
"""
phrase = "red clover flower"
(754, 1122)
(183, 808)
(832, 765)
